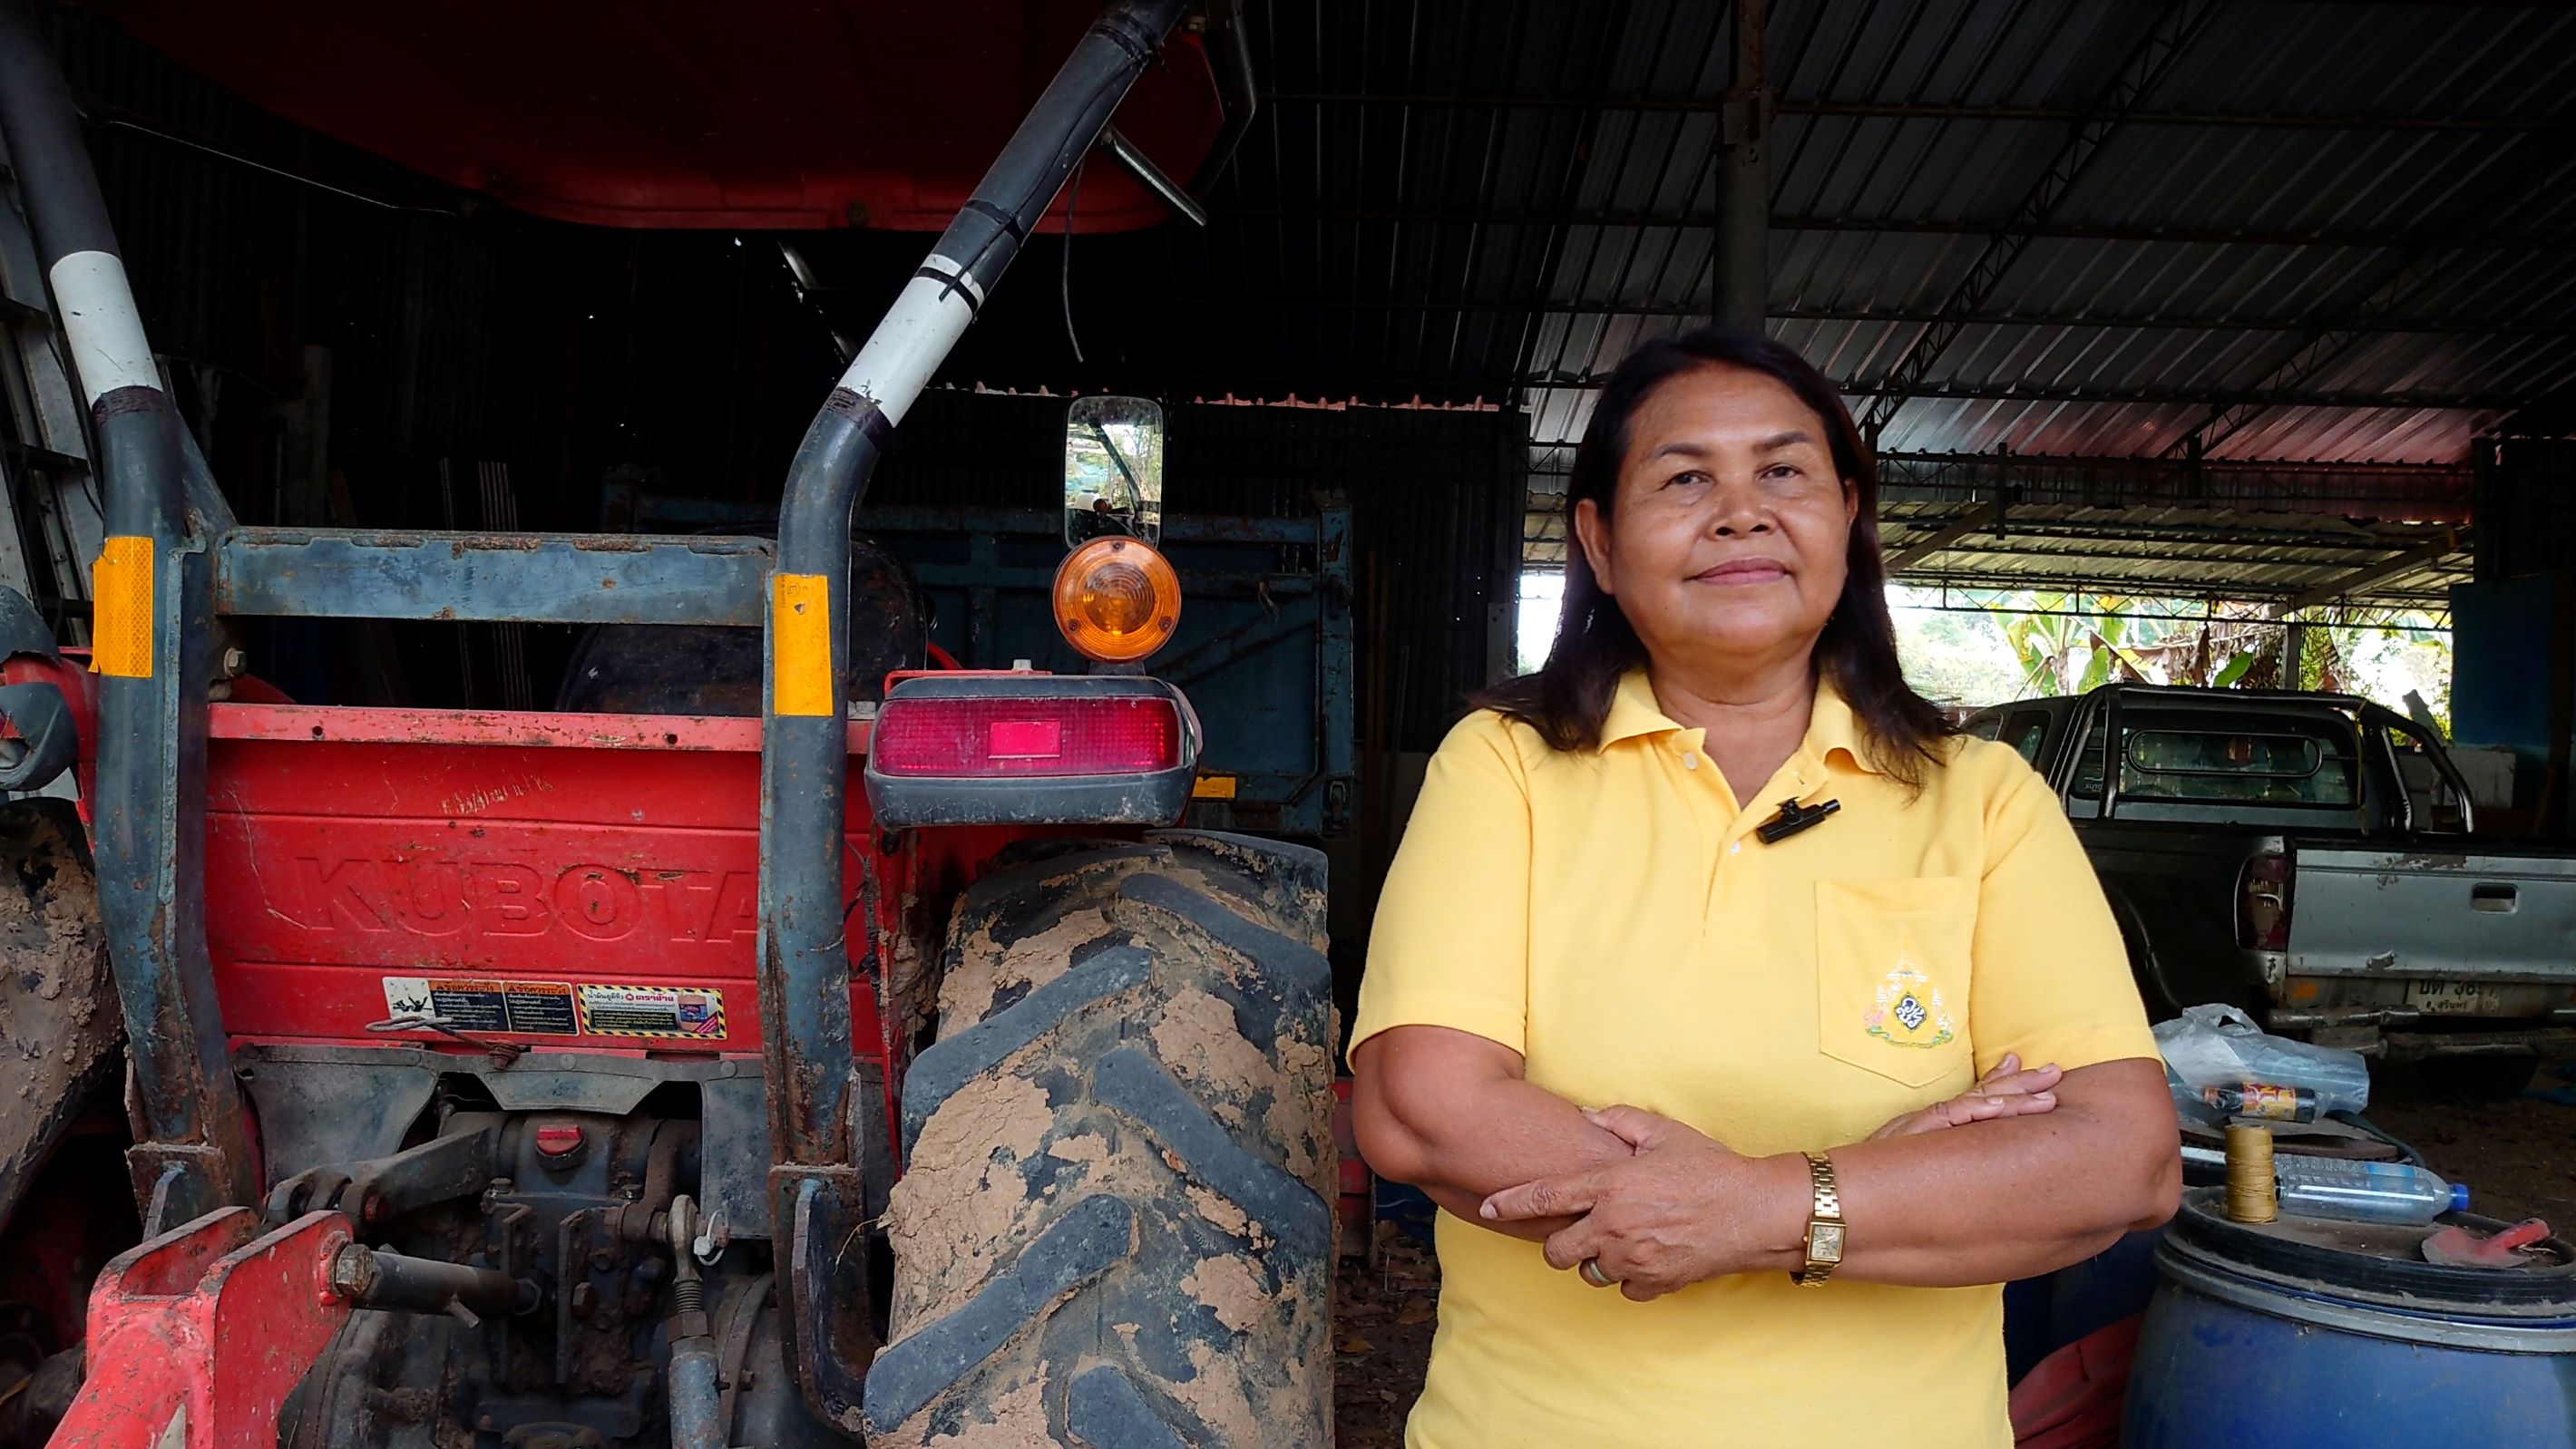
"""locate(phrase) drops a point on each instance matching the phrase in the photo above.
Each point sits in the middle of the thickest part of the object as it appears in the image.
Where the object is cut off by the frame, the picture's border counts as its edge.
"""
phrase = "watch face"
(1825, 1242)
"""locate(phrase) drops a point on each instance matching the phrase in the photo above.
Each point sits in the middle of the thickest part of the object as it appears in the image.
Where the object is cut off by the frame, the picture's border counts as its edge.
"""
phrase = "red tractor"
(550, 1080)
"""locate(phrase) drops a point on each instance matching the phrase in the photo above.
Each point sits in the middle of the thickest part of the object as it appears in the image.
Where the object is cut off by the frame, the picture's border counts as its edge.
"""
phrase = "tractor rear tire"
(61, 1033)
(1115, 1227)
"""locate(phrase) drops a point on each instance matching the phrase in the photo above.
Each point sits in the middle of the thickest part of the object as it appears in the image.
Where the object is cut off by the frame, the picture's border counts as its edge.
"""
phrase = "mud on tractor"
(600, 1079)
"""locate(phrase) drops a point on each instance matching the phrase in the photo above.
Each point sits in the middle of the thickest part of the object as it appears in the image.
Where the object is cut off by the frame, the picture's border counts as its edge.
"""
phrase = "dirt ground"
(1382, 1317)
(2518, 1158)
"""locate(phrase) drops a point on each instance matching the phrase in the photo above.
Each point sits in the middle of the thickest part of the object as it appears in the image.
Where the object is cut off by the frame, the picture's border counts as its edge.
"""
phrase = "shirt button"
(1736, 849)
(1690, 760)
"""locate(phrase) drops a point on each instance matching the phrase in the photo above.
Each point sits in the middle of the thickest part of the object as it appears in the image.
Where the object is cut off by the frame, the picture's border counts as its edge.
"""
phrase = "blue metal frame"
(1284, 642)
(552, 578)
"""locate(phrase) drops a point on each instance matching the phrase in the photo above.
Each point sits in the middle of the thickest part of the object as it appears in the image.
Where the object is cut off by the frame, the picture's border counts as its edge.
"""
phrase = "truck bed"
(2485, 913)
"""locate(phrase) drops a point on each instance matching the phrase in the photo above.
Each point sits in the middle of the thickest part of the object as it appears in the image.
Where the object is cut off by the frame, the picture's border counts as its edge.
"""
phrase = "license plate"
(2455, 998)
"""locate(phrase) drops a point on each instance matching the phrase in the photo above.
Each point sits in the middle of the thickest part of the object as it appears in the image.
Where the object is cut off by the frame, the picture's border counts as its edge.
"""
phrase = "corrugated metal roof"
(2358, 220)
(2320, 233)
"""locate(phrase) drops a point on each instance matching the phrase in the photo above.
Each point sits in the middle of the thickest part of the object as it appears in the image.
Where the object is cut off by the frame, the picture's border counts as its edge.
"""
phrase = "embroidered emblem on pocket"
(1908, 1010)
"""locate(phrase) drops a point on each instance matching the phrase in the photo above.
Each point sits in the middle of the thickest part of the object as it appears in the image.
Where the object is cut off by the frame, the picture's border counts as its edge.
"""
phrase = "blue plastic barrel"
(2310, 1335)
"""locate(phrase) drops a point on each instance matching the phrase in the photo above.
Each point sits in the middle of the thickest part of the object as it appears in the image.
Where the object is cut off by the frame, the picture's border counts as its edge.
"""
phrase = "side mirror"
(1113, 469)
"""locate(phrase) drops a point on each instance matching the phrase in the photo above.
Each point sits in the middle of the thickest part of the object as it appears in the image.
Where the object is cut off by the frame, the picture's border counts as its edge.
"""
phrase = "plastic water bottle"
(2365, 1192)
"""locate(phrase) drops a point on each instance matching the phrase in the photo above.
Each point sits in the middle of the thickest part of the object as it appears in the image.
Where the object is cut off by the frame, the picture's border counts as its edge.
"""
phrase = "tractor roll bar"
(815, 1197)
(148, 812)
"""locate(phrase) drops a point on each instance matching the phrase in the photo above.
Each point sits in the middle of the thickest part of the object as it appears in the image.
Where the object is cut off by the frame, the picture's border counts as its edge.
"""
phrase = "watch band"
(1824, 1224)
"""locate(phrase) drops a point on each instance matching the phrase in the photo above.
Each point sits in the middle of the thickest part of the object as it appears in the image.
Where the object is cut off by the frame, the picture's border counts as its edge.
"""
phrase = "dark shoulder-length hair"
(1568, 699)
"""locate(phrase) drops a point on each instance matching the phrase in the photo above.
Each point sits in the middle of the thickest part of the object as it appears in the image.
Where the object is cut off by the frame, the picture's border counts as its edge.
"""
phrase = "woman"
(1696, 937)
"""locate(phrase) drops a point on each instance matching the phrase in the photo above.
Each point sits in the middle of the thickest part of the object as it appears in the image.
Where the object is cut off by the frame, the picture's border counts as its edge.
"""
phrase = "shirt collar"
(1831, 725)
(1633, 712)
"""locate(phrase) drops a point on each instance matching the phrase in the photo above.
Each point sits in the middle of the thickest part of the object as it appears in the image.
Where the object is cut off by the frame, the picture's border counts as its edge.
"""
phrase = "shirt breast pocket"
(1894, 962)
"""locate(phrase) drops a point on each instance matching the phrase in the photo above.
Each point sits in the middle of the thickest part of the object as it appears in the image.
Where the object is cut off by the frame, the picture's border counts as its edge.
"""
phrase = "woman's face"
(1727, 539)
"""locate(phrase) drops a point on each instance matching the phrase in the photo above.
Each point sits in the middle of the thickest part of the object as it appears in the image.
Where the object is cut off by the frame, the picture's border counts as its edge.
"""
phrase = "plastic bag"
(2217, 1046)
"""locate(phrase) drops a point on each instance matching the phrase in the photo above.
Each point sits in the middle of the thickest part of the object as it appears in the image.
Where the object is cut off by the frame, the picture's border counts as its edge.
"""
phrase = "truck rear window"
(2276, 763)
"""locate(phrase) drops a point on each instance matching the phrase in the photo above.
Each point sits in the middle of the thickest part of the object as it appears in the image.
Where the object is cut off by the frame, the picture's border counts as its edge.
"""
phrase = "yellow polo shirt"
(1612, 916)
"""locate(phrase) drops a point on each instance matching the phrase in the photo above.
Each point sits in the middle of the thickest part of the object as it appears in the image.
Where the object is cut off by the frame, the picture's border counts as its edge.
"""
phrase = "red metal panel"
(751, 115)
(197, 1337)
(359, 860)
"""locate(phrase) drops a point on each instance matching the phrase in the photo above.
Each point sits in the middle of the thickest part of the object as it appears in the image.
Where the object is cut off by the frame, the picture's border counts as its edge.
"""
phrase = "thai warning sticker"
(689, 1011)
(542, 1008)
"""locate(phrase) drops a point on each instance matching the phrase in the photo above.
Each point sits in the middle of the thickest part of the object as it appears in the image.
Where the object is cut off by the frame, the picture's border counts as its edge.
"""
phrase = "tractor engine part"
(697, 1416)
(577, 1296)
(372, 1278)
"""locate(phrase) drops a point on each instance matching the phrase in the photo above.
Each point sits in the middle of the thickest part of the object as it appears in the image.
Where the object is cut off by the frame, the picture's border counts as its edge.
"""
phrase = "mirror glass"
(1113, 468)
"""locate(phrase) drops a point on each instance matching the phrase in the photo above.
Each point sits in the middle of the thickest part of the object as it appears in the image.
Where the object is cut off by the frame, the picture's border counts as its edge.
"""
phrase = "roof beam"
(1882, 391)
(2387, 570)
(1976, 520)
(2453, 475)
(1912, 226)
(1580, 307)
(1888, 390)
(2425, 326)
(2166, 39)
(2339, 549)
(1867, 110)
(2080, 231)
(2204, 584)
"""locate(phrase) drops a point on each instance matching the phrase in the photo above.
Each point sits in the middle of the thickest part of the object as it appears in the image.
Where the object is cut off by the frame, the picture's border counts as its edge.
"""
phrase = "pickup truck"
(2313, 859)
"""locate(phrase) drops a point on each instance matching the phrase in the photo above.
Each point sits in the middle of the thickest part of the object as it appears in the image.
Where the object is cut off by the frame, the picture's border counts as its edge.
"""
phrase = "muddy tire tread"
(1214, 1165)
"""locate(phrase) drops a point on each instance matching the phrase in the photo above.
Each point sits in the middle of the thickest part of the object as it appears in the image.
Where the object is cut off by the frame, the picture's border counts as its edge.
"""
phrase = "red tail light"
(1029, 736)
(2263, 904)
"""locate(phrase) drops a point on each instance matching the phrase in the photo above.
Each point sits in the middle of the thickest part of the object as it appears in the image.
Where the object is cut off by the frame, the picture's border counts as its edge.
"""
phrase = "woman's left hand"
(1684, 1209)
(2007, 1091)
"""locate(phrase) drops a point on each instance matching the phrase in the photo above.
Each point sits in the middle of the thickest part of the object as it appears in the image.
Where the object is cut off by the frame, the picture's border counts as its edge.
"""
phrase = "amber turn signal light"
(1116, 600)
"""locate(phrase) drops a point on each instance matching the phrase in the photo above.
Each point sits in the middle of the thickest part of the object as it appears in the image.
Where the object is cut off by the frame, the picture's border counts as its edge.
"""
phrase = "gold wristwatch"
(1824, 1225)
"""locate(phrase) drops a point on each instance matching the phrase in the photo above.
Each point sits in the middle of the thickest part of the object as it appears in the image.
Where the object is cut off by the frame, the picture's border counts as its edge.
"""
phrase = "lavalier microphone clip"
(1794, 817)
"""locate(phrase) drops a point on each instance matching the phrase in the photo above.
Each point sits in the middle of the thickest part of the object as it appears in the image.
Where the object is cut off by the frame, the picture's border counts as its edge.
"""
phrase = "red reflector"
(2263, 904)
(559, 1139)
(970, 738)
(1027, 739)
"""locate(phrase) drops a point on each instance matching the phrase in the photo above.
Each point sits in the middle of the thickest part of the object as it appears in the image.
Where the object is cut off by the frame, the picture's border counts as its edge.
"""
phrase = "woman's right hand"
(2007, 1091)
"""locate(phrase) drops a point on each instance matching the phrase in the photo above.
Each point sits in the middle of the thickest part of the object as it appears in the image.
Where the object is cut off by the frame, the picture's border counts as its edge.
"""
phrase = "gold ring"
(1592, 1274)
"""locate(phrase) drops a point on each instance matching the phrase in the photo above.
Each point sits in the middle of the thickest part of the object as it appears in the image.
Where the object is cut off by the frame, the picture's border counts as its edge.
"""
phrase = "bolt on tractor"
(550, 1080)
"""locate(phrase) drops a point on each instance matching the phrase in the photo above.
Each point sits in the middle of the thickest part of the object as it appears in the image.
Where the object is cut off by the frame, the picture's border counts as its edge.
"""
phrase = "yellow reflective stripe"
(800, 645)
(120, 584)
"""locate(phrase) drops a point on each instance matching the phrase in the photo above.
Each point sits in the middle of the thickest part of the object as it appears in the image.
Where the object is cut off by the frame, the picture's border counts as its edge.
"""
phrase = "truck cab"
(2311, 858)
